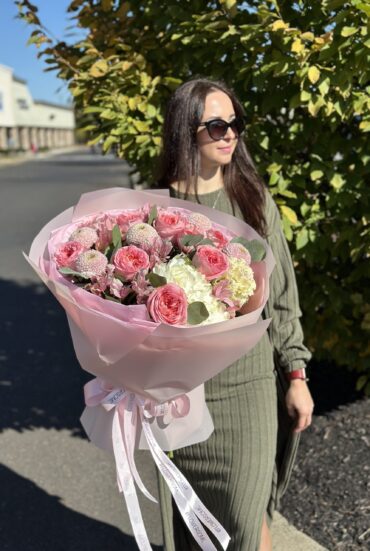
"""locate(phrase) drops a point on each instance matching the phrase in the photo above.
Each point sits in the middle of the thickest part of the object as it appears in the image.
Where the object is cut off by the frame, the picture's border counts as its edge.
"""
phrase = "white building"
(26, 123)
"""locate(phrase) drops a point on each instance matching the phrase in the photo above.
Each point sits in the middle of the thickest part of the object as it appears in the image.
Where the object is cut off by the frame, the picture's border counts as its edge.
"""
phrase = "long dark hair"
(180, 160)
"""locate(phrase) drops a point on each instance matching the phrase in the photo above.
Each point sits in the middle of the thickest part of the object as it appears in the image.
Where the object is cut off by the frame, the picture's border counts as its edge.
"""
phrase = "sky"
(15, 53)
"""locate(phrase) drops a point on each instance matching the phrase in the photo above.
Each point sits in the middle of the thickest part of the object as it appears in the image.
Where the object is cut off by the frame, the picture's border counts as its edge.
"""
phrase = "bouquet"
(161, 295)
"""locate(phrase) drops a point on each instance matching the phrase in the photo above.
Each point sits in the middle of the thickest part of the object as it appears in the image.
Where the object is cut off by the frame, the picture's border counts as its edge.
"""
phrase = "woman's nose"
(230, 134)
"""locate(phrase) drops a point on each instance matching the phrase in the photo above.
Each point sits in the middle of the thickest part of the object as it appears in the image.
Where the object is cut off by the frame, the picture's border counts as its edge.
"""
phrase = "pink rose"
(168, 304)
(218, 238)
(126, 219)
(169, 224)
(210, 261)
(129, 260)
(67, 253)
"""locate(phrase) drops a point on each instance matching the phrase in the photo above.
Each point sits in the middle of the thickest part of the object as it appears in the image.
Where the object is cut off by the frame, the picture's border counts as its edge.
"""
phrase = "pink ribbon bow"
(131, 411)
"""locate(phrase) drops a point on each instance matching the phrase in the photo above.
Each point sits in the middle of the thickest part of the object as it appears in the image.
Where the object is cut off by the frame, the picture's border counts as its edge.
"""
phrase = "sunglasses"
(217, 128)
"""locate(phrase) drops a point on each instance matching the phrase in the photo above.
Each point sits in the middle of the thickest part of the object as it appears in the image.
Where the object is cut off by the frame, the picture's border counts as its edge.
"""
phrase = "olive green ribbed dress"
(243, 469)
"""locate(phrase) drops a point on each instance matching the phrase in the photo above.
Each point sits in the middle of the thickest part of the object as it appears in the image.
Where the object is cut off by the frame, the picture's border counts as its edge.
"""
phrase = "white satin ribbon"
(130, 410)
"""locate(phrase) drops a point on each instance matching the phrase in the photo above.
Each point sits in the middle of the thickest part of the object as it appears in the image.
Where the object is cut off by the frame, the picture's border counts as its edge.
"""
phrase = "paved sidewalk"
(287, 538)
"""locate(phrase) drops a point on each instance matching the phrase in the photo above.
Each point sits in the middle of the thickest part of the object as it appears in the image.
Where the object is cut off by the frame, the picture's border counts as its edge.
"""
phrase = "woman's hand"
(299, 404)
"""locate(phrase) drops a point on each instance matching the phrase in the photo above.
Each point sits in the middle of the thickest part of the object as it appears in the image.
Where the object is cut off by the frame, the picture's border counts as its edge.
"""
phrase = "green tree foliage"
(302, 72)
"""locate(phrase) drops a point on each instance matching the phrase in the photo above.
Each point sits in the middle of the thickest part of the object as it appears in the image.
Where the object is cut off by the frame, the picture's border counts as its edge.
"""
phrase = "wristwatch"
(296, 374)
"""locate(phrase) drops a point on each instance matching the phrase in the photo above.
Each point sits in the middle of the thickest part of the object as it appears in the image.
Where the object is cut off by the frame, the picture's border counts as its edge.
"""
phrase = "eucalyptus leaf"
(152, 214)
(255, 248)
(197, 312)
(206, 241)
(191, 240)
(116, 237)
(69, 271)
(156, 280)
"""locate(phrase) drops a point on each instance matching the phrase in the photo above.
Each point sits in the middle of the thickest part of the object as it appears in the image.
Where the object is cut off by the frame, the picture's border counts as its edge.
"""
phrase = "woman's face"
(213, 153)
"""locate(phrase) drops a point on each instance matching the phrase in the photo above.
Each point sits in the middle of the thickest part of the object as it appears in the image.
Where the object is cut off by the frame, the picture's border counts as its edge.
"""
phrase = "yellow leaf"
(289, 214)
(141, 126)
(99, 69)
(308, 36)
(365, 126)
(313, 74)
(132, 103)
(314, 108)
(348, 31)
(126, 65)
(316, 174)
(279, 24)
(297, 46)
(337, 181)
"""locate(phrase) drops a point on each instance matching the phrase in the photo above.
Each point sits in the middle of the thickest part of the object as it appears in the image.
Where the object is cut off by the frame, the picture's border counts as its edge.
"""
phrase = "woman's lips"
(225, 149)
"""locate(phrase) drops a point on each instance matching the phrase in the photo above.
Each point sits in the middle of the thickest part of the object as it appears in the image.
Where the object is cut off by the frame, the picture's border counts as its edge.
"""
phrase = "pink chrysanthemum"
(201, 222)
(142, 235)
(91, 263)
(86, 236)
(237, 250)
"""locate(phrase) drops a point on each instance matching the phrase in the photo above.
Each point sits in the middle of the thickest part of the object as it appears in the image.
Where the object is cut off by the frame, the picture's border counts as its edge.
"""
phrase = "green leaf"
(361, 382)
(152, 214)
(255, 248)
(190, 240)
(206, 241)
(302, 238)
(197, 312)
(116, 237)
(156, 280)
(69, 271)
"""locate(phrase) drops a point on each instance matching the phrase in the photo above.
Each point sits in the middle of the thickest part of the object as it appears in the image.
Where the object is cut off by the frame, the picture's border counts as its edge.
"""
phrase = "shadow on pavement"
(32, 520)
(41, 382)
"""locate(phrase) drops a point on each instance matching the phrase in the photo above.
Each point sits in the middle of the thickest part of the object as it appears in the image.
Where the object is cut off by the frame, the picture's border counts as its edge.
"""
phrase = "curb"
(285, 537)
(19, 159)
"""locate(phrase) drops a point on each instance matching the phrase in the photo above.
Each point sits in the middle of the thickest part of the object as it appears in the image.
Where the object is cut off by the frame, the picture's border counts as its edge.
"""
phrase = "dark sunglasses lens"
(217, 129)
(238, 126)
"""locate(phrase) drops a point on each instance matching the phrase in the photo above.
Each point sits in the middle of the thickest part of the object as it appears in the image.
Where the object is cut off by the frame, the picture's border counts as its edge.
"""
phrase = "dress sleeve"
(285, 329)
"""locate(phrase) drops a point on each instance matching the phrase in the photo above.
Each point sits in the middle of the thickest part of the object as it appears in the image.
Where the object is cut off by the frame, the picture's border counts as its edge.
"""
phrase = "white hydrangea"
(181, 271)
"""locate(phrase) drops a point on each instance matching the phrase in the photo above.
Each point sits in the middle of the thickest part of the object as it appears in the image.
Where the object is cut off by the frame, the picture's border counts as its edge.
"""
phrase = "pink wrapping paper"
(120, 343)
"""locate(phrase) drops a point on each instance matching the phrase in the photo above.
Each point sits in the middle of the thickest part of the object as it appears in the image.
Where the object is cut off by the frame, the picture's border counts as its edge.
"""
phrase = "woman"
(258, 408)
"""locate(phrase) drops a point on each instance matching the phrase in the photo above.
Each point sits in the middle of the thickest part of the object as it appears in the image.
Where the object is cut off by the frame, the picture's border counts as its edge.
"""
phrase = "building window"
(22, 104)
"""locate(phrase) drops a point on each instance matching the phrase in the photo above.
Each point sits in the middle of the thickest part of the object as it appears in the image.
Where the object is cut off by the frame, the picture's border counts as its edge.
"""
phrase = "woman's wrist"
(296, 375)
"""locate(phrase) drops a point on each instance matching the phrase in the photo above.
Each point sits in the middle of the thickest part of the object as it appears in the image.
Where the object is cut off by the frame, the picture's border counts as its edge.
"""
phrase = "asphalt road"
(57, 491)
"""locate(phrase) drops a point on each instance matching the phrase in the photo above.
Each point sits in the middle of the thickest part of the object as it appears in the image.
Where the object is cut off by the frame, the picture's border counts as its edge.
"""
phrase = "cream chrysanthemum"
(180, 270)
(241, 280)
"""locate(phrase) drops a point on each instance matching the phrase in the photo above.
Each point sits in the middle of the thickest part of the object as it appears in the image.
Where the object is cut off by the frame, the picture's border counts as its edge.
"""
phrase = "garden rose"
(67, 253)
(210, 261)
(219, 239)
(126, 219)
(129, 260)
(168, 304)
(169, 224)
